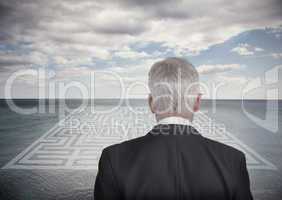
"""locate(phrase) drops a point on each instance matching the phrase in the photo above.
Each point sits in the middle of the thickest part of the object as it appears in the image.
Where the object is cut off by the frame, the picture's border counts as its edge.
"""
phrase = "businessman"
(173, 160)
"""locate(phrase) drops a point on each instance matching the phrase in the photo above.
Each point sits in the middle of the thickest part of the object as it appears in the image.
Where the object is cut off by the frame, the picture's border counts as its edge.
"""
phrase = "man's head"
(174, 87)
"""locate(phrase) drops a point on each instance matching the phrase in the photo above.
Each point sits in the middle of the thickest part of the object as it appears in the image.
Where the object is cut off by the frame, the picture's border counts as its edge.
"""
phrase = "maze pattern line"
(76, 142)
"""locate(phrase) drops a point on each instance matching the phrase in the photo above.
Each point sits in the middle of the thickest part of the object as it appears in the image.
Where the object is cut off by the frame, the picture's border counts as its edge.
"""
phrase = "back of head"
(173, 84)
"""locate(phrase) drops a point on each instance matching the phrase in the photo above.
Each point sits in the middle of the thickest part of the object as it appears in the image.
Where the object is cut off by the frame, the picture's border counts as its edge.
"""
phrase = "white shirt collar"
(175, 120)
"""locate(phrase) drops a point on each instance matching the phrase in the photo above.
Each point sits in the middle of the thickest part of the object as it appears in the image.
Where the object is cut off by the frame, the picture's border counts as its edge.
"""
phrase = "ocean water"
(31, 168)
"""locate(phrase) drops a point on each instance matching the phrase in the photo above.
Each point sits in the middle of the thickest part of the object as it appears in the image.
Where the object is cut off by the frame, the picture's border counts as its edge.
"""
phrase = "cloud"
(212, 69)
(8, 59)
(75, 34)
(276, 55)
(72, 72)
(243, 50)
(258, 49)
(11, 61)
(119, 23)
(232, 79)
(128, 53)
(246, 49)
(110, 25)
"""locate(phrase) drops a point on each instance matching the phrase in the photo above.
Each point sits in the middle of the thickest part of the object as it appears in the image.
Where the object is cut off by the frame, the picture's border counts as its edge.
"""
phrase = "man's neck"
(188, 117)
(175, 120)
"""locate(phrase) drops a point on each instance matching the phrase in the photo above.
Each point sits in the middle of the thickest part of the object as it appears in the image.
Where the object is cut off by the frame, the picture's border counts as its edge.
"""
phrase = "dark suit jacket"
(172, 162)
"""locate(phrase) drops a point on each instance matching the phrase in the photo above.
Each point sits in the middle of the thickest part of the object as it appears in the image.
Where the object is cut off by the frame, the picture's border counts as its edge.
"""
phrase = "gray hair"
(173, 84)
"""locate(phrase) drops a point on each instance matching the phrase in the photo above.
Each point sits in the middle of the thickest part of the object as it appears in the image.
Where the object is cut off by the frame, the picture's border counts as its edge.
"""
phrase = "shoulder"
(126, 146)
(221, 148)
(124, 154)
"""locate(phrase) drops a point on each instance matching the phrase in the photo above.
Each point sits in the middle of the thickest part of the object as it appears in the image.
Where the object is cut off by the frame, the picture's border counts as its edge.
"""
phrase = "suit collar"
(173, 129)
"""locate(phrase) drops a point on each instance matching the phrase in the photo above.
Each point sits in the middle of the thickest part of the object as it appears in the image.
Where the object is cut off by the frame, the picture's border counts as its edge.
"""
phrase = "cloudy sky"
(231, 43)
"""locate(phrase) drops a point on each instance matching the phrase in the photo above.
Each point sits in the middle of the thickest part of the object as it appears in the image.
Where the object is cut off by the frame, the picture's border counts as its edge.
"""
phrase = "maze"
(76, 142)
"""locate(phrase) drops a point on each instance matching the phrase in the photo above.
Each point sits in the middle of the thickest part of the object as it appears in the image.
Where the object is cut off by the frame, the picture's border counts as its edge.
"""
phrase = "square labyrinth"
(76, 142)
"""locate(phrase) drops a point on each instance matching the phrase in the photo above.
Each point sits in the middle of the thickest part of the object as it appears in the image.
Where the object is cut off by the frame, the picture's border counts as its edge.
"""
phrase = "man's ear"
(197, 103)
(150, 101)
